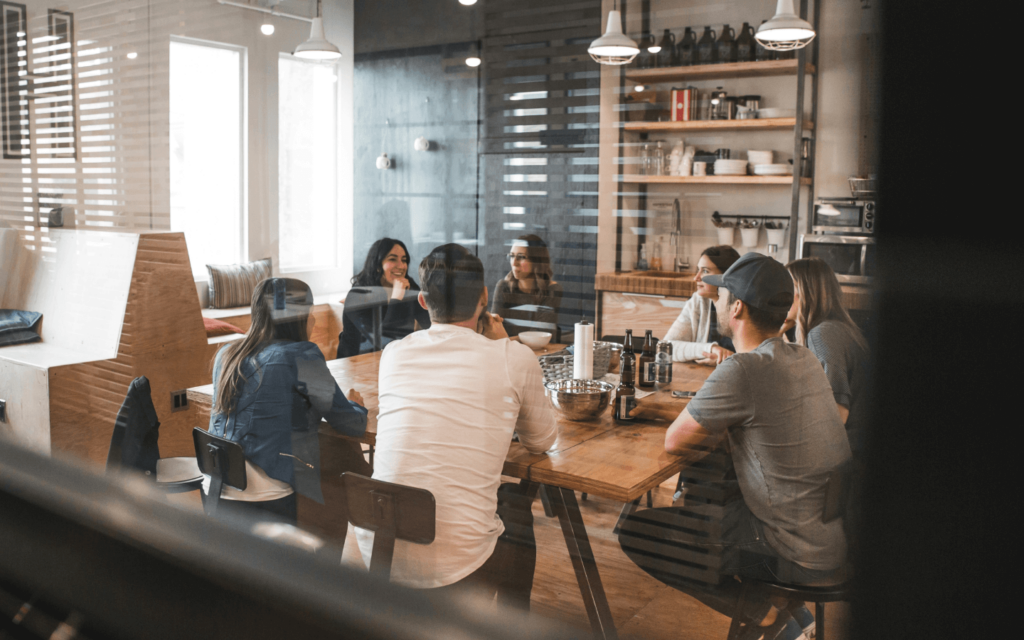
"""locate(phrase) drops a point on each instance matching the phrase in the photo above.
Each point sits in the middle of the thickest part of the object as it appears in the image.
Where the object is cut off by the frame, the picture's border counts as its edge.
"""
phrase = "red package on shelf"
(682, 105)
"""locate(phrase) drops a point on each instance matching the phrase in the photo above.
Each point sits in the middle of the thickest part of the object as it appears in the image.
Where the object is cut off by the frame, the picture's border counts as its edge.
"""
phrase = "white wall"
(137, 154)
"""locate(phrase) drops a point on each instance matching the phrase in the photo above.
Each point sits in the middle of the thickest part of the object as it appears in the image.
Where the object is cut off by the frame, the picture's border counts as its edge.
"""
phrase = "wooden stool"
(392, 512)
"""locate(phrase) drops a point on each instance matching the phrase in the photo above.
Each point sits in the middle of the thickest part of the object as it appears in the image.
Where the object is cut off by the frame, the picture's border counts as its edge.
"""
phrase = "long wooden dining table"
(597, 456)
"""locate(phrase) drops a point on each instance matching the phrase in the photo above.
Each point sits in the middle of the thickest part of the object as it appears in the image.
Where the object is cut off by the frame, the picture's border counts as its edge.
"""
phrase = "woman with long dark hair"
(383, 284)
(694, 335)
(824, 326)
(528, 296)
(270, 391)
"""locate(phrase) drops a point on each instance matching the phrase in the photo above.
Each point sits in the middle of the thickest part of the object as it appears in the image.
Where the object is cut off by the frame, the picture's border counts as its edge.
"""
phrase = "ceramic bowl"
(535, 339)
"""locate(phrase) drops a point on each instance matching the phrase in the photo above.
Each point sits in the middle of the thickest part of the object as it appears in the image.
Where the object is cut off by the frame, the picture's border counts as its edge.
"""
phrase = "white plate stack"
(760, 157)
(730, 167)
(771, 169)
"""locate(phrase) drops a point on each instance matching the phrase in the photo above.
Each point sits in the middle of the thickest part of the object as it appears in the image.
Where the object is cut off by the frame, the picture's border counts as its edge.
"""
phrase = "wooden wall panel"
(162, 338)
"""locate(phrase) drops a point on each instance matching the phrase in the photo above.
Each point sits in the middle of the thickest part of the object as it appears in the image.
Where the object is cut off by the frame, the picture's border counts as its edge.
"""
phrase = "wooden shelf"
(751, 180)
(715, 71)
(717, 125)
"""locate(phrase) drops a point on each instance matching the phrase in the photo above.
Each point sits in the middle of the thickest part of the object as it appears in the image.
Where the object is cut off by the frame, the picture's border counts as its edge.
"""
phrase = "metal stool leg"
(819, 621)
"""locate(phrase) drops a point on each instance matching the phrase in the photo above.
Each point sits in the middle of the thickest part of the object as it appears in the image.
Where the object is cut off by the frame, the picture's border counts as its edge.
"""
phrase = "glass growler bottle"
(625, 393)
(686, 50)
(760, 53)
(667, 55)
(706, 47)
(745, 44)
(645, 379)
(725, 47)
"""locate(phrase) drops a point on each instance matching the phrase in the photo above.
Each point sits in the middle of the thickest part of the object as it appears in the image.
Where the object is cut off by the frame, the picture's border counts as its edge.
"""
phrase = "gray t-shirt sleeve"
(831, 346)
(724, 400)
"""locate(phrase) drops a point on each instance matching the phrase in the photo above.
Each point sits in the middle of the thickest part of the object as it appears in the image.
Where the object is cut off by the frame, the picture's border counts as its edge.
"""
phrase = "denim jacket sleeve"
(325, 397)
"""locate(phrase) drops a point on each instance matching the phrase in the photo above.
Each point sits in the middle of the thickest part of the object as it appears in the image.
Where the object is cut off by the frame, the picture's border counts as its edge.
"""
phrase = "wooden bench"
(115, 306)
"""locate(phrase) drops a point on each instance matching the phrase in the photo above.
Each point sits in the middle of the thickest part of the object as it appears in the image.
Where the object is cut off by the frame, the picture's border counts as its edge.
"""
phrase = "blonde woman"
(824, 326)
(528, 297)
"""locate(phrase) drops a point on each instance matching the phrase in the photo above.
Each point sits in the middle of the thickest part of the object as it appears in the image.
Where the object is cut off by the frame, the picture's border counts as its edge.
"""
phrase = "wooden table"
(599, 456)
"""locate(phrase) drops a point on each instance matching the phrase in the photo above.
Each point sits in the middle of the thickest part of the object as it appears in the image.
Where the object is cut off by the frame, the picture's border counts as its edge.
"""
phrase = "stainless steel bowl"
(579, 399)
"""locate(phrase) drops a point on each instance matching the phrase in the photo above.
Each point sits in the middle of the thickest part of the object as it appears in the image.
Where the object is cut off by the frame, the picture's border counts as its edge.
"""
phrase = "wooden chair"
(223, 461)
(392, 512)
(837, 491)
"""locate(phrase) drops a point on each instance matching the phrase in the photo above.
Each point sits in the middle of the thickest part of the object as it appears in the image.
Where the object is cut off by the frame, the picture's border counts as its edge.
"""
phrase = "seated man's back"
(786, 436)
(450, 400)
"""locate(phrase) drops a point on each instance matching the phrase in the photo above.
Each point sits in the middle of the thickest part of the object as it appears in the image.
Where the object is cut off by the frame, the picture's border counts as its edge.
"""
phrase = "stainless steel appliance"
(844, 215)
(851, 257)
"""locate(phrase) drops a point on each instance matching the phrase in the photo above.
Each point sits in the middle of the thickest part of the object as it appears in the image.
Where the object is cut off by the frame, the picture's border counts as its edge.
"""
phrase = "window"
(307, 164)
(207, 111)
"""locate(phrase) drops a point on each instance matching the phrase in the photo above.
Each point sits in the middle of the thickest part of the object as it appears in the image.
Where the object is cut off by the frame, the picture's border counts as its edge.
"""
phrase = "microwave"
(843, 215)
(852, 258)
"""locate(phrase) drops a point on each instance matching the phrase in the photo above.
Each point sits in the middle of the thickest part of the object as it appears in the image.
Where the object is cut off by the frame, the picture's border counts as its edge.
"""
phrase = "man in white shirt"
(450, 398)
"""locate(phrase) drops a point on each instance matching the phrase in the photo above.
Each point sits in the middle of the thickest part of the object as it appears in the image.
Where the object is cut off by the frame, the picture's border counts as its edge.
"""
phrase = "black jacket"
(136, 431)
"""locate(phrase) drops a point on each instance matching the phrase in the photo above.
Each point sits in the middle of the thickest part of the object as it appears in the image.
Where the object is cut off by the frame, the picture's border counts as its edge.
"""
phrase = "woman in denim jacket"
(271, 390)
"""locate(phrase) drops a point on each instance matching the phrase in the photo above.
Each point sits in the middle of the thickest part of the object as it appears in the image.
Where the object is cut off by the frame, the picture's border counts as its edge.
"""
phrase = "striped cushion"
(231, 285)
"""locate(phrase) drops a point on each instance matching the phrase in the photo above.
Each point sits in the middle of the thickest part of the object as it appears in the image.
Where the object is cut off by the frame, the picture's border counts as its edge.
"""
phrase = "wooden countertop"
(665, 283)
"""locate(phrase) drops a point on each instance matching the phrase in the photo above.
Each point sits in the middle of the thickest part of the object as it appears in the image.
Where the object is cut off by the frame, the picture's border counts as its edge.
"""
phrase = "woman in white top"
(694, 335)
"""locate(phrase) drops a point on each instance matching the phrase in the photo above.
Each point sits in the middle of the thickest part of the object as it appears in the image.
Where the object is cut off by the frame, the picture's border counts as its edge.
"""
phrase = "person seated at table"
(824, 326)
(450, 398)
(527, 297)
(383, 283)
(772, 402)
(270, 391)
(695, 335)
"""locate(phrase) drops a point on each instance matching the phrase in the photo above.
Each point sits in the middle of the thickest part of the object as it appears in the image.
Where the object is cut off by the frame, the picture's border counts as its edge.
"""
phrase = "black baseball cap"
(758, 281)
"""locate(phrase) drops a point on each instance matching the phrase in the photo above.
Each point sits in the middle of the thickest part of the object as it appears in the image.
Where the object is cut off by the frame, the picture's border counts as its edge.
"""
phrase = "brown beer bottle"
(625, 394)
(628, 352)
(645, 380)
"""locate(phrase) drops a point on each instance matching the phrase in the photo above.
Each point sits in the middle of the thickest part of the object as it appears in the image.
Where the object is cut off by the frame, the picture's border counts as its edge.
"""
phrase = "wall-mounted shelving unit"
(799, 126)
(768, 124)
(751, 180)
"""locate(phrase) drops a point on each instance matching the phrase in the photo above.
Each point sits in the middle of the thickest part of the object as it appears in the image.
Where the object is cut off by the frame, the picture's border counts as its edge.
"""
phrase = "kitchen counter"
(664, 283)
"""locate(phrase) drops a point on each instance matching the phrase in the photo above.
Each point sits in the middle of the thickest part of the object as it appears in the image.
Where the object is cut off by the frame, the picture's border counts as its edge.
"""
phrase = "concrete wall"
(411, 81)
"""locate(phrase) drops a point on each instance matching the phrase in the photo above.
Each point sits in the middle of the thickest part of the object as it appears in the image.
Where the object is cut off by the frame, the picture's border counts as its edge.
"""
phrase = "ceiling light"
(785, 31)
(473, 61)
(638, 88)
(132, 55)
(267, 29)
(614, 47)
(467, 2)
(317, 47)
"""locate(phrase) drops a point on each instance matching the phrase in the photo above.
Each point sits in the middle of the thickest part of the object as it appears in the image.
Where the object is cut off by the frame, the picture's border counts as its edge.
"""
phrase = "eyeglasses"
(517, 257)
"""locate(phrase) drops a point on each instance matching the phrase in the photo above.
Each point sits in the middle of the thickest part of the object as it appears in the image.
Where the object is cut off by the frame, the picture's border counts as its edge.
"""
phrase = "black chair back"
(223, 461)
(391, 511)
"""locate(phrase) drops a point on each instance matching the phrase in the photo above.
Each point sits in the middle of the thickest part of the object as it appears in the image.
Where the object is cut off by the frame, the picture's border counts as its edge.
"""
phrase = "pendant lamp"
(317, 47)
(614, 47)
(785, 31)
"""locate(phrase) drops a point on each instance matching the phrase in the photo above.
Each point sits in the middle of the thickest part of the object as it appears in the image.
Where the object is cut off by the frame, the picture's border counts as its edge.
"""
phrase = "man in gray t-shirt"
(773, 403)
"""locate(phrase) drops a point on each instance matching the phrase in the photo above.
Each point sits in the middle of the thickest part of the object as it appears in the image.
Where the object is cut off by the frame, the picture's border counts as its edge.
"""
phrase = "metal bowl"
(579, 399)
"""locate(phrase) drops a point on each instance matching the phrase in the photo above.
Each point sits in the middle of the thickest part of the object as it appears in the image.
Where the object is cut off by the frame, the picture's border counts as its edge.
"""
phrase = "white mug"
(700, 168)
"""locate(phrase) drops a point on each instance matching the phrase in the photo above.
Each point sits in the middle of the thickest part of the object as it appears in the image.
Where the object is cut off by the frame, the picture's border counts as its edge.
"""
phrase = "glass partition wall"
(484, 125)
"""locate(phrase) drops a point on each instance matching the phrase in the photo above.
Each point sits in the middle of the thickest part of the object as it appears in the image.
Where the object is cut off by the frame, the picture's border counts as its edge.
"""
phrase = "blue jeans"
(660, 543)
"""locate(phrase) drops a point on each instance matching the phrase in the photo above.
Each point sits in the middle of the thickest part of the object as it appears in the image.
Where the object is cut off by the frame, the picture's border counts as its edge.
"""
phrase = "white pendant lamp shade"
(614, 47)
(317, 47)
(786, 30)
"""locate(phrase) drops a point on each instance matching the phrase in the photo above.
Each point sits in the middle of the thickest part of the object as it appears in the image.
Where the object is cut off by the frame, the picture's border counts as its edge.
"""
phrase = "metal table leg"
(563, 503)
